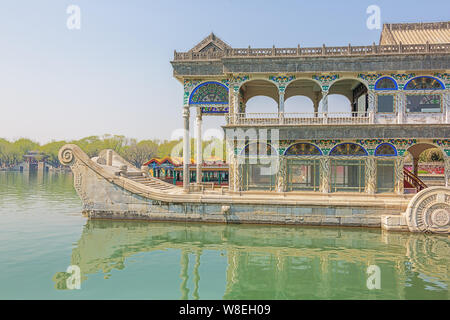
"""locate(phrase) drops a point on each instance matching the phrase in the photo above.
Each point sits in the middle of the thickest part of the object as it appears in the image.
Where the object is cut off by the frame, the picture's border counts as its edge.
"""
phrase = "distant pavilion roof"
(415, 33)
(178, 161)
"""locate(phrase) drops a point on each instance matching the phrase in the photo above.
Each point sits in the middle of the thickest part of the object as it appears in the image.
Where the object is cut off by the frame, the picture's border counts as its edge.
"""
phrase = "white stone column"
(399, 175)
(199, 146)
(281, 101)
(325, 102)
(371, 105)
(186, 151)
(401, 107)
(371, 175)
(447, 170)
(281, 106)
(236, 114)
(281, 174)
(325, 107)
(325, 174)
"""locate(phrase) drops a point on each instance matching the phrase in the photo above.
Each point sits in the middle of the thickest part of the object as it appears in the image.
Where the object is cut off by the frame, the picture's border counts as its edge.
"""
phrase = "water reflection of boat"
(271, 262)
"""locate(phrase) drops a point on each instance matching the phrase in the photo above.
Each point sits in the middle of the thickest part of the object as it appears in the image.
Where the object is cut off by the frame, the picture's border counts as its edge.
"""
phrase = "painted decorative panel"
(348, 149)
(302, 149)
(424, 83)
(386, 83)
(209, 93)
(386, 150)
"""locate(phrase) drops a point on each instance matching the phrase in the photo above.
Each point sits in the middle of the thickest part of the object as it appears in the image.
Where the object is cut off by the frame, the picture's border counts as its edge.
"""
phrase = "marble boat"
(111, 188)
(333, 168)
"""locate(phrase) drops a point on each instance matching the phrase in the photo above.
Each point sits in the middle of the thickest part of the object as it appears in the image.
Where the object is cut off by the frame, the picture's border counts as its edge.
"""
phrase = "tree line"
(134, 151)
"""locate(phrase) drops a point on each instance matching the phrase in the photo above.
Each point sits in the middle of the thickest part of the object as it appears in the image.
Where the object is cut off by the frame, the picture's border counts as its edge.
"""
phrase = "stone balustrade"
(404, 49)
(284, 118)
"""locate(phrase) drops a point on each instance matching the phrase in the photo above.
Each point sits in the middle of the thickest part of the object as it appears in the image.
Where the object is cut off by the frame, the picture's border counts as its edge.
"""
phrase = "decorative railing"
(315, 51)
(413, 180)
(299, 118)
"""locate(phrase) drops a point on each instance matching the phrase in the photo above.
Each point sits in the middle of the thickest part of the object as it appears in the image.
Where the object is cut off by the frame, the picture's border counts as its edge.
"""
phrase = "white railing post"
(186, 149)
(371, 117)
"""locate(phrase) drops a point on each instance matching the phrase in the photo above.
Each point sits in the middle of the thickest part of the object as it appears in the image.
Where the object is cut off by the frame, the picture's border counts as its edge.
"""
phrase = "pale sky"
(114, 76)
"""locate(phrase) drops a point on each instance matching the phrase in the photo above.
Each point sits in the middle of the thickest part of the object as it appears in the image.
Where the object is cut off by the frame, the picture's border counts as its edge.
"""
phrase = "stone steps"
(151, 182)
(394, 222)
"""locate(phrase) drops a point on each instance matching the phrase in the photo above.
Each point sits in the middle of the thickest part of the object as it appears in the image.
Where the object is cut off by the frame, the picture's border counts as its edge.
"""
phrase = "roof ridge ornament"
(211, 42)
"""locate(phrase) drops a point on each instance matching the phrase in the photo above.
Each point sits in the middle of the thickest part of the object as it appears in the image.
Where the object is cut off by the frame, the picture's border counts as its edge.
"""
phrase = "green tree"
(51, 150)
(137, 153)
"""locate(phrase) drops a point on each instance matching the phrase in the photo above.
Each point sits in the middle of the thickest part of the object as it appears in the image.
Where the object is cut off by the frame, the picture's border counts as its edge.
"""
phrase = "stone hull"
(106, 195)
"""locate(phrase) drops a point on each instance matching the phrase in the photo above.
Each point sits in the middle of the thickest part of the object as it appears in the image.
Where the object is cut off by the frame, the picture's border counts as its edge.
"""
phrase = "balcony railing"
(281, 118)
(349, 50)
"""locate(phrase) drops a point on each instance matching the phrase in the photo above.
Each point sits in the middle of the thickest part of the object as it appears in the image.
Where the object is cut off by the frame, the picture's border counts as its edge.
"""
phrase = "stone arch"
(259, 88)
(301, 104)
(304, 87)
(416, 150)
(353, 89)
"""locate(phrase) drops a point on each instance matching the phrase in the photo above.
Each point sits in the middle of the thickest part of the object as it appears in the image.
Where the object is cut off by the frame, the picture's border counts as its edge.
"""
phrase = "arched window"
(211, 97)
(348, 149)
(303, 149)
(347, 173)
(386, 83)
(258, 149)
(420, 103)
(303, 173)
(424, 83)
(386, 150)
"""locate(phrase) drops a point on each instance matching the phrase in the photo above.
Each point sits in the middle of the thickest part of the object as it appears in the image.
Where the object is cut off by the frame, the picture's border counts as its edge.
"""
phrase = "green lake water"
(42, 233)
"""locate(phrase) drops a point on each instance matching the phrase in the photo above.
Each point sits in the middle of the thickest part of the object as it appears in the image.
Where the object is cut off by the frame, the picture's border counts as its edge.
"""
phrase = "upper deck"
(393, 83)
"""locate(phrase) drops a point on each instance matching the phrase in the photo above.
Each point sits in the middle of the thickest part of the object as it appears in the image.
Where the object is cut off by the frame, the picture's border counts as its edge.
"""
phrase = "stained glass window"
(424, 83)
(385, 84)
(385, 149)
(261, 149)
(348, 149)
(303, 149)
(423, 103)
(209, 93)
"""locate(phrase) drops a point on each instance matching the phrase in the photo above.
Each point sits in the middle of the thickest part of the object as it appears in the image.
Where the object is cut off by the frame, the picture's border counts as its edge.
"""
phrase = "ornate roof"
(415, 33)
(210, 43)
